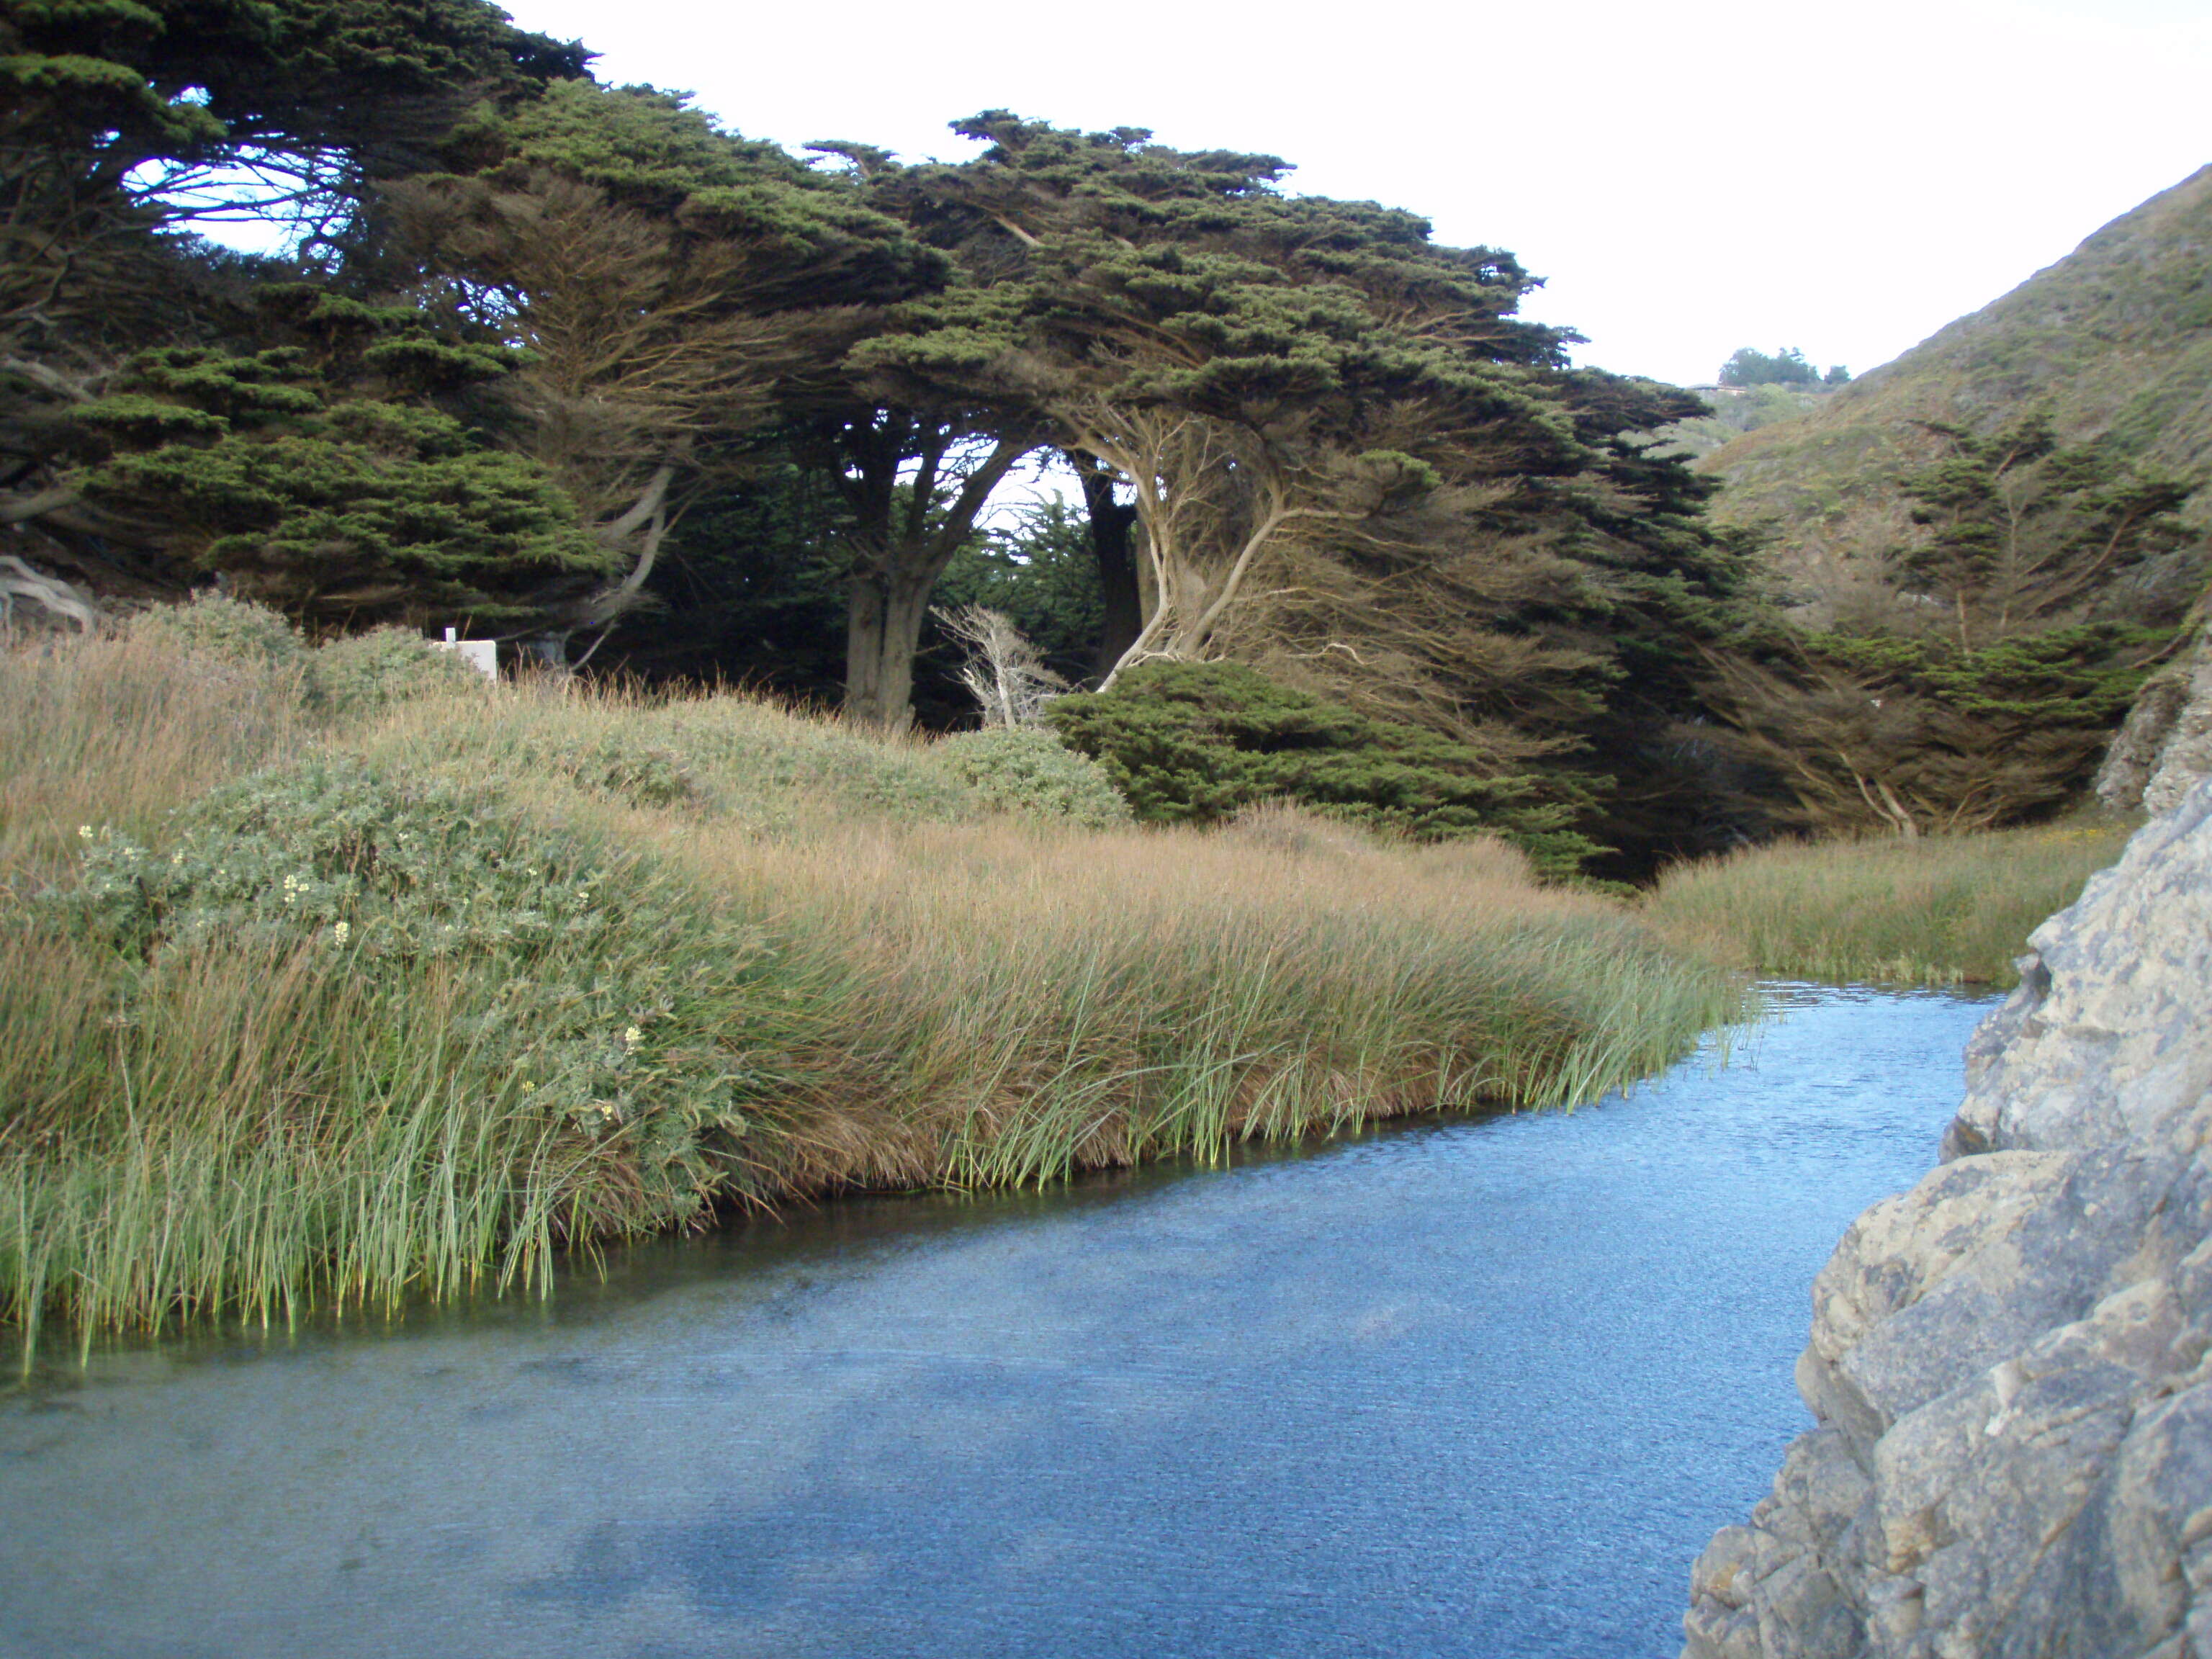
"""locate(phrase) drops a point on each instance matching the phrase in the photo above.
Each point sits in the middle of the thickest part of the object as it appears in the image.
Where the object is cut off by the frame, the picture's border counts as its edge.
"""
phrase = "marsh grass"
(119, 731)
(1940, 910)
(838, 967)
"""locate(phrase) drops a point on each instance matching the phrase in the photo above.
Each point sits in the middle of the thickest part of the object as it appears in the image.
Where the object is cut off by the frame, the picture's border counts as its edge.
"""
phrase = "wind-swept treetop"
(1257, 368)
(677, 285)
(169, 77)
(146, 104)
(810, 237)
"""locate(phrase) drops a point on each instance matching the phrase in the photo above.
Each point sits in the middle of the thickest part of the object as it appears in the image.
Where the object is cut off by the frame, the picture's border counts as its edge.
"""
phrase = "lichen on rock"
(2008, 1363)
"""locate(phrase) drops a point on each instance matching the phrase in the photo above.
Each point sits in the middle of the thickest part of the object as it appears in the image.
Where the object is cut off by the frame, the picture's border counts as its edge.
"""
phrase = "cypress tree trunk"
(1113, 526)
(882, 633)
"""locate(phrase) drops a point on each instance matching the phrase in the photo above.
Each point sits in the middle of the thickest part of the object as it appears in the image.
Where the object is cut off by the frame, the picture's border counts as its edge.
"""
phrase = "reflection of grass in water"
(1940, 910)
(820, 963)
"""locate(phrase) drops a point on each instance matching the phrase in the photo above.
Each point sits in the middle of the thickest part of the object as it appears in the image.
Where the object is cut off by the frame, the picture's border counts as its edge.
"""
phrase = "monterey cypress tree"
(678, 288)
(1348, 461)
(121, 119)
(326, 473)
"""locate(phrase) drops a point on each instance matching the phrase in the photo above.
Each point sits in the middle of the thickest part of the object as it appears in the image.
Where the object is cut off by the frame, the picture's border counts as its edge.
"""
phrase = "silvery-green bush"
(1022, 769)
(408, 869)
(363, 673)
(212, 624)
(575, 978)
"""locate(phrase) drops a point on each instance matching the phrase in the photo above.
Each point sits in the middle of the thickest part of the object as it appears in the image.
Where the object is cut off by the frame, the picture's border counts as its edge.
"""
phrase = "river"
(1469, 1387)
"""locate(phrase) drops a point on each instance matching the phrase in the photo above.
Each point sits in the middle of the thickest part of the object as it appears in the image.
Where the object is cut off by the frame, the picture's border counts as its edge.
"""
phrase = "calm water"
(1470, 1388)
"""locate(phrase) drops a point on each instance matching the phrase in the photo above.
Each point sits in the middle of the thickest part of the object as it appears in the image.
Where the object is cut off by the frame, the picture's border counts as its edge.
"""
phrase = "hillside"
(2115, 340)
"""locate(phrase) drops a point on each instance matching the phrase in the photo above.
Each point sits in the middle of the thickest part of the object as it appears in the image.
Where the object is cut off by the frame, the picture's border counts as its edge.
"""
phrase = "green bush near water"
(1195, 742)
(478, 1037)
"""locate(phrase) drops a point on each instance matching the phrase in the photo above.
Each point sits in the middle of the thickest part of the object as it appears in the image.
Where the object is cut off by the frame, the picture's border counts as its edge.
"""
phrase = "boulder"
(2008, 1363)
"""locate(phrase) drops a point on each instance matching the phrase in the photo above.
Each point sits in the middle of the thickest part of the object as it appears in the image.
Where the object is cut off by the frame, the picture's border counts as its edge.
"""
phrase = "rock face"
(2008, 1364)
(2166, 743)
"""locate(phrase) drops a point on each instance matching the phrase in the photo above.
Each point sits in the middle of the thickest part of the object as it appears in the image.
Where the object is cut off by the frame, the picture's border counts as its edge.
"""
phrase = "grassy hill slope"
(2115, 340)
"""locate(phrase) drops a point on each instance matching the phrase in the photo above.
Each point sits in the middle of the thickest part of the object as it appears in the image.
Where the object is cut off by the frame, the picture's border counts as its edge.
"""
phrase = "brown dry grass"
(117, 731)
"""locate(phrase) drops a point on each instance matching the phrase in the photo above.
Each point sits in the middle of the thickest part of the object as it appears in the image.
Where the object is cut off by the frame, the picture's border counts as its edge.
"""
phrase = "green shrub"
(1193, 743)
(362, 674)
(1020, 770)
(555, 971)
(407, 871)
(212, 624)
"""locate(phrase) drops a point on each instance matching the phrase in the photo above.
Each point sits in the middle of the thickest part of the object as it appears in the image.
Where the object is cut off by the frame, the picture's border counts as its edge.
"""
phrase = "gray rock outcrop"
(2166, 743)
(2008, 1363)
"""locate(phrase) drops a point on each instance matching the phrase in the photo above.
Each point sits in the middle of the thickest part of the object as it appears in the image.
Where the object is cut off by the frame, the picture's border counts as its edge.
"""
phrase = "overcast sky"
(1688, 177)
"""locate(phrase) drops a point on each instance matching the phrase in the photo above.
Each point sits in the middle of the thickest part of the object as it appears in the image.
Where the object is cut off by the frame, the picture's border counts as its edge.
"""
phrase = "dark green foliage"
(679, 290)
(803, 238)
(1787, 366)
(120, 115)
(1916, 734)
(1191, 743)
(1352, 465)
(1041, 573)
(2081, 676)
(747, 591)
(2021, 529)
(2046, 583)
(320, 475)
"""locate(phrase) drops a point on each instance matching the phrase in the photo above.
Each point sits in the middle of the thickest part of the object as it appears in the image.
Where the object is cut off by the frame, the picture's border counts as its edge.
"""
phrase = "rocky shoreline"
(2008, 1366)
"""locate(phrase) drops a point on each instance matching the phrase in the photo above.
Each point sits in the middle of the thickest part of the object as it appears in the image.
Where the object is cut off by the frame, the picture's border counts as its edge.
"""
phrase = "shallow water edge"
(1476, 1386)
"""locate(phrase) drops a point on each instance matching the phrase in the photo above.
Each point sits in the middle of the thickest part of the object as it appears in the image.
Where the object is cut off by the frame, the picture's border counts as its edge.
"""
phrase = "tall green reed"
(1939, 910)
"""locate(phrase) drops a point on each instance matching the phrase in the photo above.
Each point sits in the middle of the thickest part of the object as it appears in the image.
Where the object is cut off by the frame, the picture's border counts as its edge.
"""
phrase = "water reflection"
(1472, 1388)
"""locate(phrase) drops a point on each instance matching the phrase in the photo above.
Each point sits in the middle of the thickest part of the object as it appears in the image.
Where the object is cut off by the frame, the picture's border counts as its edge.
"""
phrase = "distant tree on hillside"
(1837, 375)
(2022, 532)
(2047, 578)
(1787, 367)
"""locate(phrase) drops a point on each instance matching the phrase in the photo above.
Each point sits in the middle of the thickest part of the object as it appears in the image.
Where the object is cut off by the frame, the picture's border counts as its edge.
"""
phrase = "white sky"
(1689, 178)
